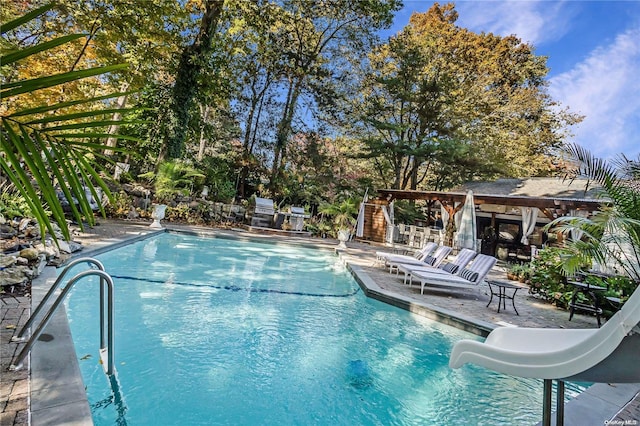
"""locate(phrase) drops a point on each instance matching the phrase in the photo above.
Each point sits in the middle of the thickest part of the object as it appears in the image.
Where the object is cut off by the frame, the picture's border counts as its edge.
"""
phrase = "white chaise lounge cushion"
(477, 270)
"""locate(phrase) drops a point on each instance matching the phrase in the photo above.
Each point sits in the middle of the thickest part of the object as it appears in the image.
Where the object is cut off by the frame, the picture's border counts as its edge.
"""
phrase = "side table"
(499, 288)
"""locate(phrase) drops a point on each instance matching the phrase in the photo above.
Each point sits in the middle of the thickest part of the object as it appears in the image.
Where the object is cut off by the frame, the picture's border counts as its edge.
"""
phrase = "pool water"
(225, 332)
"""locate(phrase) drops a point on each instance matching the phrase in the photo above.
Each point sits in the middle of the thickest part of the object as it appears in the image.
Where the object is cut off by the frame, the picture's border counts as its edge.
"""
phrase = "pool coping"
(57, 390)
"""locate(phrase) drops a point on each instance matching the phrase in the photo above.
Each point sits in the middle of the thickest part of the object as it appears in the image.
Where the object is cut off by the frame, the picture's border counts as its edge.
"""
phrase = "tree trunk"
(113, 129)
(284, 131)
(186, 85)
(204, 110)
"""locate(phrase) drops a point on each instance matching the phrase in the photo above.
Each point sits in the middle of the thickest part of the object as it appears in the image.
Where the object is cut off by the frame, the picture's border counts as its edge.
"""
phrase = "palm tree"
(612, 236)
(343, 213)
(45, 151)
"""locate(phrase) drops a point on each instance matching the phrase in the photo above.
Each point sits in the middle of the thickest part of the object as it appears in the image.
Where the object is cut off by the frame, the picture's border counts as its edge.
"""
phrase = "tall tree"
(192, 63)
(441, 99)
(313, 38)
(288, 57)
(147, 35)
(256, 64)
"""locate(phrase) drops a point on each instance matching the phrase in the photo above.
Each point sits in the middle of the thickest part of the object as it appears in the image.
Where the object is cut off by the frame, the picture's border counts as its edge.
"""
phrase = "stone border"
(445, 316)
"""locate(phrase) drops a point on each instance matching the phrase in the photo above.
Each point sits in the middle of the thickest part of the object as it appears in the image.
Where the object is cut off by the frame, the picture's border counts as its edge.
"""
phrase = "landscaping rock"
(69, 246)
(29, 253)
(14, 276)
(24, 255)
(6, 231)
(7, 261)
(48, 249)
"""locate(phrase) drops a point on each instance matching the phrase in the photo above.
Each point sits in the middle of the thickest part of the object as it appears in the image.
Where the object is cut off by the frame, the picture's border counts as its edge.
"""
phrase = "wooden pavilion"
(498, 205)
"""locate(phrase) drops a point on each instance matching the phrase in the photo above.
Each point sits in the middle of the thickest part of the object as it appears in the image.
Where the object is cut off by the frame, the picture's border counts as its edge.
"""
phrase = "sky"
(593, 51)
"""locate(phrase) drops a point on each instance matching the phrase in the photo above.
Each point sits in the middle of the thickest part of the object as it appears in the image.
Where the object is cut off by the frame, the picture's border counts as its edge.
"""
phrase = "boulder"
(29, 253)
(23, 224)
(48, 249)
(6, 231)
(14, 276)
(7, 261)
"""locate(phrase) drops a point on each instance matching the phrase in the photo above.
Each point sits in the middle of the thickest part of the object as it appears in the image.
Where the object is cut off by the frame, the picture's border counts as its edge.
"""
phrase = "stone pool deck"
(32, 396)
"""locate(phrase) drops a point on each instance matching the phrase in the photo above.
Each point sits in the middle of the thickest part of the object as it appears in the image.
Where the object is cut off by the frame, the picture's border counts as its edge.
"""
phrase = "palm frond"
(12, 25)
(76, 115)
(31, 85)
(611, 237)
(49, 164)
(16, 55)
(61, 105)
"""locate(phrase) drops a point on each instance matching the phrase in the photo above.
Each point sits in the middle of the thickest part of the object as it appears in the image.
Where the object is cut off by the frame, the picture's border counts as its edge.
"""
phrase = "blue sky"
(593, 50)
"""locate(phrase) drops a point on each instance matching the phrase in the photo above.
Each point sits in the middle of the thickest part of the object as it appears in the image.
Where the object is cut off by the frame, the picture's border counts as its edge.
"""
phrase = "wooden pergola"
(551, 207)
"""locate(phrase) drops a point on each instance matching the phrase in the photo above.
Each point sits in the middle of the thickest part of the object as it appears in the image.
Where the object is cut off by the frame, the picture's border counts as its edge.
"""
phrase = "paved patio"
(467, 308)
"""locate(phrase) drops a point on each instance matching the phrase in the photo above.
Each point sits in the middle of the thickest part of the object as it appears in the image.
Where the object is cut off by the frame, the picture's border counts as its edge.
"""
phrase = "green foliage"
(342, 213)
(611, 237)
(174, 178)
(320, 227)
(151, 117)
(179, 213)
(191, 66)
(47, 147)
(548, 279)
(119, 206)
(617, 286)
(407, 212)
(12, 204)
(439, 107)
(520, 271)
(218, 176)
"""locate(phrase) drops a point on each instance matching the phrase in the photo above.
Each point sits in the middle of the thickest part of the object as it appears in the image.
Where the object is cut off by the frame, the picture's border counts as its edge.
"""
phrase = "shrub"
(119, 206)
(173, 178)
(549, 282)
(12, 204)
(547, 278)
(519, 271)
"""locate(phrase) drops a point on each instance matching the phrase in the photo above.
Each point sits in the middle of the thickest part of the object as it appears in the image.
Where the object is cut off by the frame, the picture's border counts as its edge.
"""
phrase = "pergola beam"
(545, 204)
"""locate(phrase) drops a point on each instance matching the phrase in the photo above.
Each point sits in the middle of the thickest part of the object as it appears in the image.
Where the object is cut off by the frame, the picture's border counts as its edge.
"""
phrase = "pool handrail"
(20, 336)
(105, 281)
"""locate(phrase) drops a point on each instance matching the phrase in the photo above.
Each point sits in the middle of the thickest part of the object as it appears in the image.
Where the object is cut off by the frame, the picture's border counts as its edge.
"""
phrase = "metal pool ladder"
(106, 286)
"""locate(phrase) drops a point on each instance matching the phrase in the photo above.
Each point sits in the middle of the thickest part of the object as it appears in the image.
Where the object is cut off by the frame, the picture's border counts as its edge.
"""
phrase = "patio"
(465, 309)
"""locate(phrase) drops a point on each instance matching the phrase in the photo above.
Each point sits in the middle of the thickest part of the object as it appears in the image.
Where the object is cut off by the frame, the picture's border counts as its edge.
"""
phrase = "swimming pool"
(216, 331)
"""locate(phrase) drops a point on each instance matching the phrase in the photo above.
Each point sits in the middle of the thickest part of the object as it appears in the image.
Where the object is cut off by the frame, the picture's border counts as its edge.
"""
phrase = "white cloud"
(605, 87)
(532, 22)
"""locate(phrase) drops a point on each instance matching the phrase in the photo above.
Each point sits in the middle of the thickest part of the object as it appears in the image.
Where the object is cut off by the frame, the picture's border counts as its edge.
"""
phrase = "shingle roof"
(535, 187)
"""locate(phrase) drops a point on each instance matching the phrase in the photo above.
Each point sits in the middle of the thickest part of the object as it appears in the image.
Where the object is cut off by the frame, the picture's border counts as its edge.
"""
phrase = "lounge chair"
(455, 266)
(468, 277)
(434, 259)
(604, 355)
(386, 257)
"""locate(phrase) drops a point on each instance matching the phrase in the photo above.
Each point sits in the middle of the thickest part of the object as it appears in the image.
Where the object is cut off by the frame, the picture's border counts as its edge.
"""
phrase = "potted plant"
(343, 215)
(525, 273)
(513, 272)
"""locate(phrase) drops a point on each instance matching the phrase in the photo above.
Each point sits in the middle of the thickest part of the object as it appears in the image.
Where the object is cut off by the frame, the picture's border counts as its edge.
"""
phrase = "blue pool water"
(222, 332)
